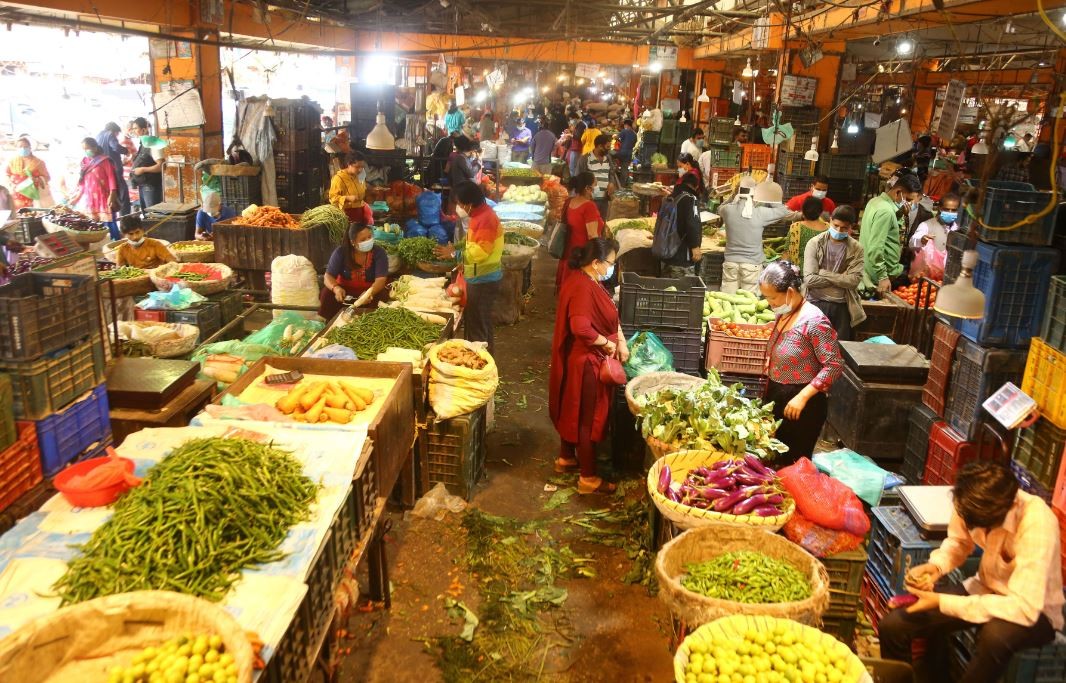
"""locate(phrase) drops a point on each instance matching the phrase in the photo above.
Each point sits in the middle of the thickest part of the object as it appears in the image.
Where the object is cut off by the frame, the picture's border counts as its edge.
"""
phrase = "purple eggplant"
(722, 464)
(664, 478)
(756, 465)
(727, 503)
(757, 500)
(710, 493)
(766, 511)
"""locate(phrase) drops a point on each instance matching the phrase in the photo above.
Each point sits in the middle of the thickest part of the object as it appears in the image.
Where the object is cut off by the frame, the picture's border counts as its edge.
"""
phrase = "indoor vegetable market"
(436, 340)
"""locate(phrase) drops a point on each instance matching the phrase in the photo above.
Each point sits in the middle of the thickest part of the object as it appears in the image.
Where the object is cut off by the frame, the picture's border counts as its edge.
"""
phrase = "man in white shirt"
(693, 145)
(1025, 144)
(1016, 598)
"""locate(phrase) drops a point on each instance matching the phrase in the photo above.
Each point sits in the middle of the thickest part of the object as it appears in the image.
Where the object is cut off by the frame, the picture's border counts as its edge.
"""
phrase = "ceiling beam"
(973, 77)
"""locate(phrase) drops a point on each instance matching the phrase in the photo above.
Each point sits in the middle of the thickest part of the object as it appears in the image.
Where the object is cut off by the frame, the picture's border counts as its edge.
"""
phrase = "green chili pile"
(374, 332)
(414, 250)
(209, 509)
(746, 576)
(122, 273)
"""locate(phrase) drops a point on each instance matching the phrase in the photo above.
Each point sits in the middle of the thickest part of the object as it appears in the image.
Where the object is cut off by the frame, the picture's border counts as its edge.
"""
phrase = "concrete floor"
(619, 633)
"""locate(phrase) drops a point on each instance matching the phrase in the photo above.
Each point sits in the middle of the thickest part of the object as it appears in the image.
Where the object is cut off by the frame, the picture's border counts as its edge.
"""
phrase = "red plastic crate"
(755, 156)
(875, 605)
(730, 354)
(948, 451)
(935, 393)
(1062, 537)
(1058, 495)
(20, 465)
(150, 316)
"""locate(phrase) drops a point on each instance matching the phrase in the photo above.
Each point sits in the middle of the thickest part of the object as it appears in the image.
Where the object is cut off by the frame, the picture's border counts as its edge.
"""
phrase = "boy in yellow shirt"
(138, 250)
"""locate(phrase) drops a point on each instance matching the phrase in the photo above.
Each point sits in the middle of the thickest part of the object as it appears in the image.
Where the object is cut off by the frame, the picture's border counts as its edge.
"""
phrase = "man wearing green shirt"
(880, 235)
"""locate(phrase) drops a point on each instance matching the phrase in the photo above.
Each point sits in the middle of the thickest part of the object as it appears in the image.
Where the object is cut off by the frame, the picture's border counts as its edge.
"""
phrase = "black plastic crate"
(896, 545)
(686, 347)
(42, 386)
(453, 452)
(295, 203)
(754, 385)
(1004, 207)
(1039, 450)
(845, 572)
(206, 316)
(290, 162)
(725, 156)
(345, 531)
(646, 304)
(366, 498)
(709, 269)
(1054, 329)
(919, 424)
(627, 445)
(30, 226)
(175, 227)
(720, 130)
(792, 185)
(639, 261)
(321, 582)
(801, 116)
(844, 191)
(8, 432)
(794, 164)
(42, 312)
(293, 659)
(1040, 665)
(953, 263)
(1029, 483)
(238, 192)
(843, 167)
(230, 305)
(977, 373)
(291, 183)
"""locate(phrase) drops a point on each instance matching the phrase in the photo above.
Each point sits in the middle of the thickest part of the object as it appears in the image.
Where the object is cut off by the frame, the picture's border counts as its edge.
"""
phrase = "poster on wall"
(760, 34)
(586, 70)
(797, 91)
(178, 105)
(952, 107)
(167, 49)
(665, 55)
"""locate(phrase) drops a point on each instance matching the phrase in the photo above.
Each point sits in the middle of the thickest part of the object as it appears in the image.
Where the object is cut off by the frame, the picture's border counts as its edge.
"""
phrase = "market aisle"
(605, 630)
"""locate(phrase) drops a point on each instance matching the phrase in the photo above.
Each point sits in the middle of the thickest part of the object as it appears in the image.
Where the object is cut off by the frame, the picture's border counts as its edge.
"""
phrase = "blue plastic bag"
(428, 208)
(438, 233)
(415, 229)
(881, 340)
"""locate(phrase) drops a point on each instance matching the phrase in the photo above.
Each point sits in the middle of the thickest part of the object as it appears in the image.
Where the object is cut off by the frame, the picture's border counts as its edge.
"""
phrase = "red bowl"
(95, 497)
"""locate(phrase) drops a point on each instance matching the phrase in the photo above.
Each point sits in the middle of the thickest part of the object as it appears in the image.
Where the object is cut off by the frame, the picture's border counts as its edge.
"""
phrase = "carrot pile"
(266, 217)
(320, 401)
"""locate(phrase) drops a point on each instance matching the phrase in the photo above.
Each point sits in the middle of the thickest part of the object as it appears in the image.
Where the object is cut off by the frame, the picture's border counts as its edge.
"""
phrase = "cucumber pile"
(742, 307)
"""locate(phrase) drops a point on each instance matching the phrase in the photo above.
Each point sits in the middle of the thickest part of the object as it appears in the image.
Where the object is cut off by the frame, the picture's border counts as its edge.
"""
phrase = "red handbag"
(611, 372)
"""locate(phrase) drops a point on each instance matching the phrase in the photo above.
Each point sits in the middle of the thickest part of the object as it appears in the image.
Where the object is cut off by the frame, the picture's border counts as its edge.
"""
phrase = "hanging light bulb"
(812, 153)
(380, 138)
(1009, 142)
(905, 46)
(980, 148)
(737, 122)
(853, 128)
(836, 139)
(684, 118)
(656, 67)
(704, 98)
(747, 72)
(961, 299)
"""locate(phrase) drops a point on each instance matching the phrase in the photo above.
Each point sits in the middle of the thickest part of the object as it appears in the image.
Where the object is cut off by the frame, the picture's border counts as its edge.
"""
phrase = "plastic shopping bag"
(929, 262)
(824, 500)
(455, 389)
(855, 471)
(647, 353)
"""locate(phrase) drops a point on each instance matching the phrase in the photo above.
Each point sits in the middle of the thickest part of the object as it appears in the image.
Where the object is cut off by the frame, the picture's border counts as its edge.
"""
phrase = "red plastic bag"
(817, 540)
(824, 500)
(928, 262)
(458, 288)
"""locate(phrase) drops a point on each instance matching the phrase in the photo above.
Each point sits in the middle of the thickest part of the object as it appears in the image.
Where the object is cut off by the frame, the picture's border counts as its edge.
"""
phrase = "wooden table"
(181, 409)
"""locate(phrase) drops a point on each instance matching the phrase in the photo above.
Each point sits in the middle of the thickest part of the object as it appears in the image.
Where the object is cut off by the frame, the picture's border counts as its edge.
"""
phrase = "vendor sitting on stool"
(356, 268)
(1016, 598)
(347, 190)
(211, 212)
(138, 250)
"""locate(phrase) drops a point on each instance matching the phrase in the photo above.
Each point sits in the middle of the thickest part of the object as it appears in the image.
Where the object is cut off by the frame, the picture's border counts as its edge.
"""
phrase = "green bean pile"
(206, 511)
(749, 577)
(374, 332)
(187, 276)
(123, 273)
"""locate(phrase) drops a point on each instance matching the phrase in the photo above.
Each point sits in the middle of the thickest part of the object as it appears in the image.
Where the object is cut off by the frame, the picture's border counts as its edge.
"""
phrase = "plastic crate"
(43, 386)
(1038, 665)
(956, 244)
(948, 451)
(645, 303)
(345, 532)
(896, 545)
(979, 372)
(20, 465)
(874, 602)
(720, 130)
(206, 316)
(840, 628)
(42, 312)
(8, 431)
(843, 191)
(726, 353)
(792, 185)
(639, 261)
(1039, 450)
(238, 192)
(794, 164)
(230, 305)
(686, 346)
(919, 426)
(756, 156)
(30, 226)
(754, 385)
(1029, 483)
(845, 582)
(1053, 330)
(84, 425)
(286, 162)
(1005, 207)
(454, 452)
(292, 659)
(1045, 381)
(945, 340)
(835, 166)
(1015, 282)
(720, 175)
(366, 498)
(321, 582)
(801, 116)
(725, 157)
(709, 269)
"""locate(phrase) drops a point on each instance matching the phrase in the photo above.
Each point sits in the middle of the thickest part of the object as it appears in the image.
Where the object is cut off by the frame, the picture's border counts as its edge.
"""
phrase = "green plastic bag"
(249, 352)
(274, 334)
(855, 471)
(647, 353)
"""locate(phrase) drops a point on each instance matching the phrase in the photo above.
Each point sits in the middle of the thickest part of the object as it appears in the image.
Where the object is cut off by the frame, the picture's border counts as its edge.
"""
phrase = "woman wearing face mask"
(583, 220)
(686, 165)
(358, 269)
(803, 359)
(26, 166)
(347, 190)
(146, 169)
(802, 232)
(832, 271)
(97, 193)
(587, 330)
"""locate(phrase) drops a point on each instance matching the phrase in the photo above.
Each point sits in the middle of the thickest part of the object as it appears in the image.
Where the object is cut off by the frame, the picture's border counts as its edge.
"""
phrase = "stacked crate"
(52, 354)
(847, 177)
(920, 425)
(452, 452)
(299, 162)
(672, 310)
(845, 572)
(935, 392)
(725, 163)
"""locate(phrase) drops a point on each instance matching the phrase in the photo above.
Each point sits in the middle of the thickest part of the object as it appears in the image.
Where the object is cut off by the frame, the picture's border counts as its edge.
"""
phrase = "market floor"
(604, 629)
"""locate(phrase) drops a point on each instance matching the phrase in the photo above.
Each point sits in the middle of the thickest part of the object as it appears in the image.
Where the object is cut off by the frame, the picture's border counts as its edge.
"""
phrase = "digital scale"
(930, 507)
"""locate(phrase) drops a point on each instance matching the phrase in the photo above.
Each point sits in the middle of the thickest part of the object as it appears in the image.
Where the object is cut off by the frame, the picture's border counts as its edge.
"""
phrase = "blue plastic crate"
(1015, 282)
(68, 433)
(895, 547)
(1041, 665)
(1029, 483)
(1006, 206)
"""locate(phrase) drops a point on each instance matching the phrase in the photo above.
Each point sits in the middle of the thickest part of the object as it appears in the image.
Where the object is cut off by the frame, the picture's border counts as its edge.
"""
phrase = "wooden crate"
(251, 247)
(882, 318)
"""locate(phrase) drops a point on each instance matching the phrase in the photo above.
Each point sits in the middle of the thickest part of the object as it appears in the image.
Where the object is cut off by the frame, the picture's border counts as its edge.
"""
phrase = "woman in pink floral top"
(802, 361)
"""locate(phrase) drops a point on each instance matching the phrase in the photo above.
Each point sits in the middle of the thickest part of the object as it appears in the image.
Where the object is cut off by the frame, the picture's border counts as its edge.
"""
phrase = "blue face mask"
(836, 234)
(607, 276)
(24, 151)
(949, 217)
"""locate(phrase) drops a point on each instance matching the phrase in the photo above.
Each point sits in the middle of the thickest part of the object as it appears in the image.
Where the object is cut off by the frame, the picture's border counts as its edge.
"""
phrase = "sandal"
(603, 487)
(566, 466)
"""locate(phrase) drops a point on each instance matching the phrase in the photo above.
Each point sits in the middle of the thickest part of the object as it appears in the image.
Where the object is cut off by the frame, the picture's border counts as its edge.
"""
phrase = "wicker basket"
(193, 256)
(518, 258)
(706, 543)
(660, 448)
(134, 286)
(80, 236)
(688, 517)
(439, 267)
(205, 287)
(656, 381)
(524, 228)
(169, 348)
(737, 627)
(82, 642)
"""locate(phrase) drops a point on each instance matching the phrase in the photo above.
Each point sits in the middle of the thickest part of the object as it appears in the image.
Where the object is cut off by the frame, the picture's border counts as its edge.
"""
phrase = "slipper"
(562, 467)
(604, 487)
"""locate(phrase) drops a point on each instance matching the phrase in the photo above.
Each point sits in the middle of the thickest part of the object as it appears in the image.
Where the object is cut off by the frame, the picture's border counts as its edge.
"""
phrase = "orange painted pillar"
(827, 73)
(921, 113)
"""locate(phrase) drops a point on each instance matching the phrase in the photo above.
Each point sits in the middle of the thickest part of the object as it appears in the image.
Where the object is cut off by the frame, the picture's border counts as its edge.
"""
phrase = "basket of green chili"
(719, 570)
(202, 278)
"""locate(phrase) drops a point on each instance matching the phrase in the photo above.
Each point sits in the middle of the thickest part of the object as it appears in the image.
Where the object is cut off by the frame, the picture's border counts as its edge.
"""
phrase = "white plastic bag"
(293, 282)
(436, 502)
(455, 390)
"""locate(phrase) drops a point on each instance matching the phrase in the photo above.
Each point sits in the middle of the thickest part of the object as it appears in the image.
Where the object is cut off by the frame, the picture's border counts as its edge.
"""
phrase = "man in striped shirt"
(598, 163)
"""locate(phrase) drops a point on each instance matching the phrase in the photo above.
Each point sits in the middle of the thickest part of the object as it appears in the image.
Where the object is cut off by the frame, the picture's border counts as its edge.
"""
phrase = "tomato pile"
(910, 294)
(735, 330)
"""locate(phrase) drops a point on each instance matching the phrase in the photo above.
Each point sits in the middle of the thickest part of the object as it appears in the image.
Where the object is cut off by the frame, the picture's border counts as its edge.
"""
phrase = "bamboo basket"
(205, 287)
(193, 256)
(438, 267)
(169, 348)
(80, 236)
(737, 626)
(84, 641)
(688, 517)
(706, 543)
(656, 381)
(134, 286)
(524, 228)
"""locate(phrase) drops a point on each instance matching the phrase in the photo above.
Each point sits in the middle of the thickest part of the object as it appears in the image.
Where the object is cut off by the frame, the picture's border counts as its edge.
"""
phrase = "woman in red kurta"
(586, 332)
(583, 219)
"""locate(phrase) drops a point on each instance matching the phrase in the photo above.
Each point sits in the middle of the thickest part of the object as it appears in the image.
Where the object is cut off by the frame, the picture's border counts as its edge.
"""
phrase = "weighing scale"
(148, 383)
(930, 507)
